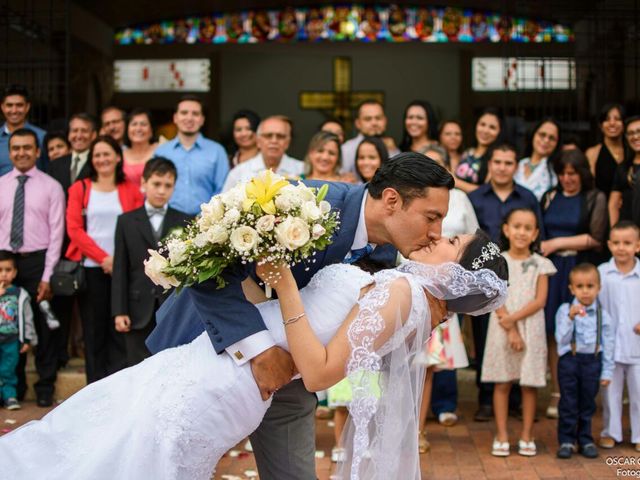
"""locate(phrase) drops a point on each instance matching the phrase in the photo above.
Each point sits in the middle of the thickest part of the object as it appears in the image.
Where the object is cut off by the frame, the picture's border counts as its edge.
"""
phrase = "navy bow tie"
(359, 253)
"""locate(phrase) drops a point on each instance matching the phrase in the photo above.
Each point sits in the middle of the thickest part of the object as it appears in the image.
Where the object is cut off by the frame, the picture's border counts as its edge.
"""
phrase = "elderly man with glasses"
(274, 137)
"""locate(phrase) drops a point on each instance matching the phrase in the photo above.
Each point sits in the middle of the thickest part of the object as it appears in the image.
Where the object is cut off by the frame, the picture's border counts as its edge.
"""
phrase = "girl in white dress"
(516, 348)
(175, 414)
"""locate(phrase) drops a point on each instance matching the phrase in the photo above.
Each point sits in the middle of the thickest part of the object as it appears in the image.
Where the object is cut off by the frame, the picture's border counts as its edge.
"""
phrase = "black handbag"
(68, 277)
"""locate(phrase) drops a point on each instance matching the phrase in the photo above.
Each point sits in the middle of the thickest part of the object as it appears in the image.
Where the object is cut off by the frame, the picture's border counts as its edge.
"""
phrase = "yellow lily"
(261, 190)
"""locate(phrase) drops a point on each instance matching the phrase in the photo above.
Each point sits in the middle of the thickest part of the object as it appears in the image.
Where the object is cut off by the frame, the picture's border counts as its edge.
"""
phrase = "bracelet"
(293, 319)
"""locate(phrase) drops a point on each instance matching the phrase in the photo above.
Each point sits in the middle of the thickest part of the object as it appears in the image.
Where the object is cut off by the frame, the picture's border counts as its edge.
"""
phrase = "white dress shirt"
(255, 344)
(157, 218)
(84, 157)
(288, 167)
(349, 154)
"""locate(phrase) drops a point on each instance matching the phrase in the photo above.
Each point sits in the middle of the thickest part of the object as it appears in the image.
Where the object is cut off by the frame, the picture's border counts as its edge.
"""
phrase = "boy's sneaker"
(12, 404)
(589, 450)
(607, 442)
(565, 451)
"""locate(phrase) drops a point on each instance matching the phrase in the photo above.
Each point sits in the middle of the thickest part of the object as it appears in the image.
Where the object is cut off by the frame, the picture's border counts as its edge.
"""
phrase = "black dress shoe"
(484, 413)
(45, 401)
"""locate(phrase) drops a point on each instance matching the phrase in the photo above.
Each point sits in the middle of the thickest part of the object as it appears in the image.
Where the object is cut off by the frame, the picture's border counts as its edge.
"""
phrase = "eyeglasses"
(633, 133)
(274, 136)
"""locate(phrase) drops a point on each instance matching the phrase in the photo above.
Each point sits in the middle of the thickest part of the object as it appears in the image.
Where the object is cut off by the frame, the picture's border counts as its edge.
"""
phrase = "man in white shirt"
(274, 138)
(370, 122)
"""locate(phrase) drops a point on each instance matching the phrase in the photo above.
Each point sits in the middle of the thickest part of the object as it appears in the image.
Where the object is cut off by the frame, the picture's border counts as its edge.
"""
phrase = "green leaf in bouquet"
(322, 192)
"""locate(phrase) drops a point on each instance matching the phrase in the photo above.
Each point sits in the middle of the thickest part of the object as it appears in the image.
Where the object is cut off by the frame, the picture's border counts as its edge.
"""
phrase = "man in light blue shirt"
(15, 109)
(202, 164)
(585, 335)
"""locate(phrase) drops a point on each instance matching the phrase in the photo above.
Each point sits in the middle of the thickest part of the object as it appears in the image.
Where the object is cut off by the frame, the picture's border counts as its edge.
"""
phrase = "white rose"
(213, 211)
(235, 197)
(287, 198)
(317, 231)
(153, 268)
(265, 223)
(293, 233)
(200, 240)
(305, 193)
(244, 239)
(217, 234)
(232, 216)
(310, 211)
(283, 203)
(325, 207)
(177, 251)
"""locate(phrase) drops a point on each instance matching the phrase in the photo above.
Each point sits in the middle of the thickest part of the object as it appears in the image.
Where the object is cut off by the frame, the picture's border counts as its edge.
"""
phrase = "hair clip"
(488, 252)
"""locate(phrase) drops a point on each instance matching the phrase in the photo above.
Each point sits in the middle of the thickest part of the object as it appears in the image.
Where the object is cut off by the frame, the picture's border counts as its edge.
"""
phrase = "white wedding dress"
(175, 414)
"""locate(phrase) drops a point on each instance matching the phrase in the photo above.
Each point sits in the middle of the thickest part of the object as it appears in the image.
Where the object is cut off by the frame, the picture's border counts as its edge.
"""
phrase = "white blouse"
(102, 214)
(461, 217)
(540, 180)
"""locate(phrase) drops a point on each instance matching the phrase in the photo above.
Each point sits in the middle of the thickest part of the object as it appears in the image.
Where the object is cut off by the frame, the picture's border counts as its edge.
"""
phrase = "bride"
(174, 415)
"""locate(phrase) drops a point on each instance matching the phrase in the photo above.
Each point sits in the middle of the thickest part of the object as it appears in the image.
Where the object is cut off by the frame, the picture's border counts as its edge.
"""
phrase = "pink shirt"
(43, 215)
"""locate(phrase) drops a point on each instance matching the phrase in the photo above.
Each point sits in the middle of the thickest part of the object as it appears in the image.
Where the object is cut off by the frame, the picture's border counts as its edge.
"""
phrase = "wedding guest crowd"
(91, 200)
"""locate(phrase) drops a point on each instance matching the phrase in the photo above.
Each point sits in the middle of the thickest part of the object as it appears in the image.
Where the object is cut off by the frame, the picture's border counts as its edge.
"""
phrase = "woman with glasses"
(535, 171)
(624, 201)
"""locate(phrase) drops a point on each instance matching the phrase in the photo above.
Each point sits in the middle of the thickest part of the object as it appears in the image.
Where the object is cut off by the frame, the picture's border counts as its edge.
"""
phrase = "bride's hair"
(474, 250)
(479, 254)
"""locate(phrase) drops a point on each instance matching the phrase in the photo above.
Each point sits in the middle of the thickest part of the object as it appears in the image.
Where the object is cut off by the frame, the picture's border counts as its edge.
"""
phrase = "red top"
(82, 244)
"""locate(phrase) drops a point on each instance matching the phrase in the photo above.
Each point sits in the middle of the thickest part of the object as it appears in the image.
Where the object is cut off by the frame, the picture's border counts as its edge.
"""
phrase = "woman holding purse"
(92, 211)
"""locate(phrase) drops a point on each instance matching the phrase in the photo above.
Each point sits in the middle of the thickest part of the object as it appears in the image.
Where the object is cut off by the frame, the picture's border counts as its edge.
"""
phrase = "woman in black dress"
(605, 157)
(624, 201)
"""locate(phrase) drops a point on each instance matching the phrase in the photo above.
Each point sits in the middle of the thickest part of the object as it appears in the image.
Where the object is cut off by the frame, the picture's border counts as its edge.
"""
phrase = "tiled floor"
(459, 452)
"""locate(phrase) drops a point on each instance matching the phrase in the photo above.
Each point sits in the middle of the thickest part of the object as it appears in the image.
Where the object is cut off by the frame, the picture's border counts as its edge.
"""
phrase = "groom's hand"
(272, 369)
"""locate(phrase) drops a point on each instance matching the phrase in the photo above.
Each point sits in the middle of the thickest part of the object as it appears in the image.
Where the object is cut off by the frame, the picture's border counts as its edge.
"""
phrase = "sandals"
(552, 410)
(527, 449)
(500, 449)
(423, 444)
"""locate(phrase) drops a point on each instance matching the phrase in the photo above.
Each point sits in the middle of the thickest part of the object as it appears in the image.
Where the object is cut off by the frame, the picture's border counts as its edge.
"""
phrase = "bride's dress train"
(172, 416)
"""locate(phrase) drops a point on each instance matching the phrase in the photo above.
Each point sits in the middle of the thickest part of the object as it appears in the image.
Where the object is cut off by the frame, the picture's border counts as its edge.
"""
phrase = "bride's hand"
(276, 275)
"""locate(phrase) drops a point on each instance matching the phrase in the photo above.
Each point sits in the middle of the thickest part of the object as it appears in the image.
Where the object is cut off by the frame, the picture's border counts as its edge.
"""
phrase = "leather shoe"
(45, 401)
(484, 413)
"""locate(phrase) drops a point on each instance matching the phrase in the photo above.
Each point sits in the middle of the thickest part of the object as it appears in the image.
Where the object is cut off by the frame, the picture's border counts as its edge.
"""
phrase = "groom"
(401, 208)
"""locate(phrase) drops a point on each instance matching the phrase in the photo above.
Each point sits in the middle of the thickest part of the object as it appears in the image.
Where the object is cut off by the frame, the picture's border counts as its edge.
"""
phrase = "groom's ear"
(391, 199)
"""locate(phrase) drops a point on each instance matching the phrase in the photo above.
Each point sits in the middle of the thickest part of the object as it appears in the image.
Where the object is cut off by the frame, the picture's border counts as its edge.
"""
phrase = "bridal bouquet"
(265, 219)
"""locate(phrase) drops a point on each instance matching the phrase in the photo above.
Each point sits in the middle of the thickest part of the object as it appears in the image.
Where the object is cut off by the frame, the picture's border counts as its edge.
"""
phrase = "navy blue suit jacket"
(226, 314)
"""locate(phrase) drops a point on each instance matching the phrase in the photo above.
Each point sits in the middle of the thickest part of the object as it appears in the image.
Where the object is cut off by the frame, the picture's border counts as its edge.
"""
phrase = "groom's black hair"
(409, 174)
